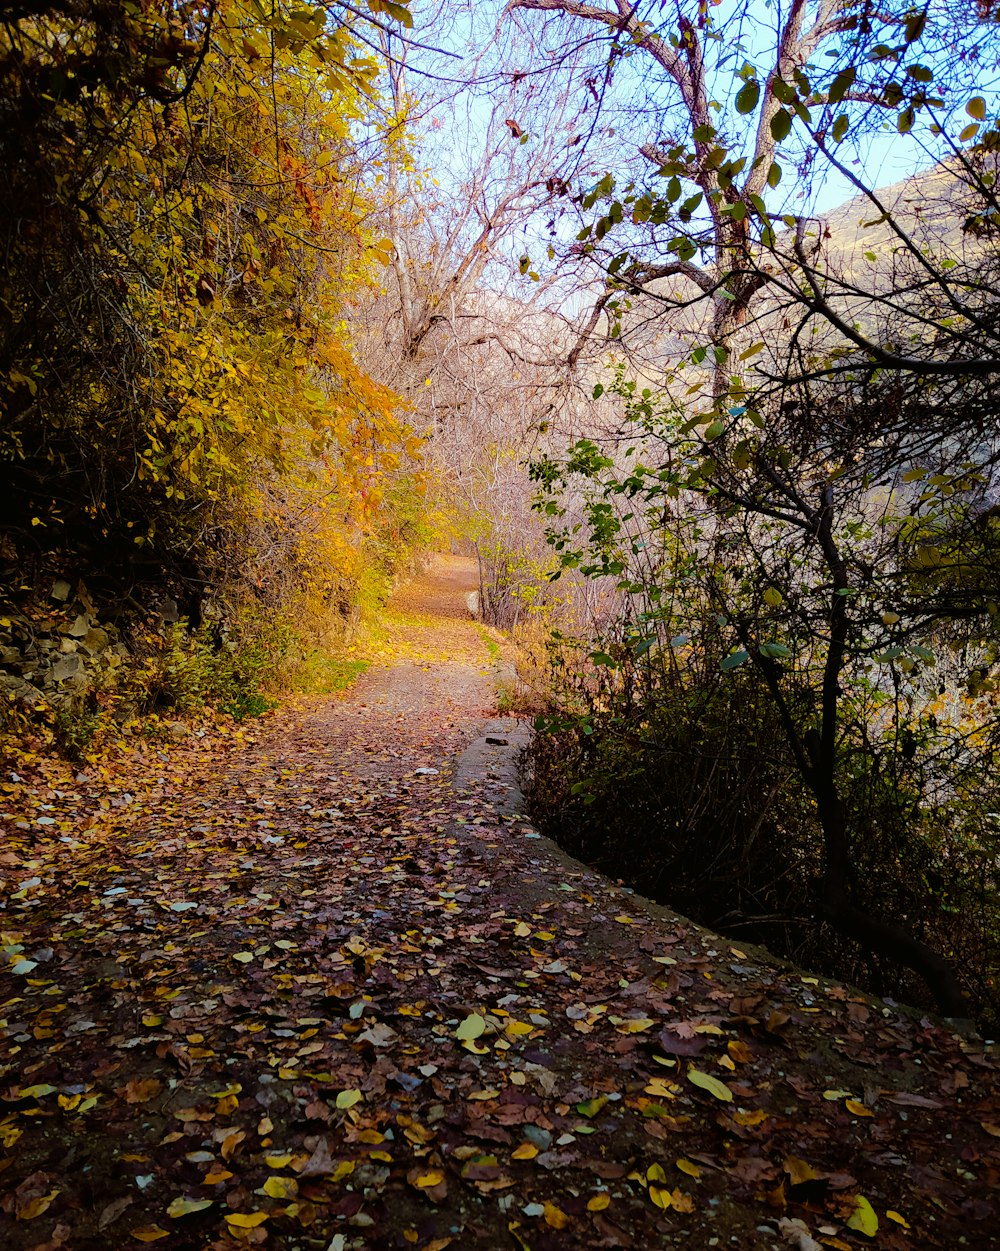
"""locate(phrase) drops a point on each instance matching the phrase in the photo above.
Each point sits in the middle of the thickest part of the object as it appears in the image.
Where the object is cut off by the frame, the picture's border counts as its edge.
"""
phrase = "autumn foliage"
(184, 214)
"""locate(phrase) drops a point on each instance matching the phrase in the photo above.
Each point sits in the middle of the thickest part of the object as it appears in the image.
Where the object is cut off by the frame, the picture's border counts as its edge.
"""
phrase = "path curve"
(338, 994)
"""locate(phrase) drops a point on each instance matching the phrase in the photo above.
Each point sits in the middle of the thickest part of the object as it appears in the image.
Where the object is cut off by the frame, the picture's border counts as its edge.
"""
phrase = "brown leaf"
(320, 1162)
(113, 1210)
(140, 1089)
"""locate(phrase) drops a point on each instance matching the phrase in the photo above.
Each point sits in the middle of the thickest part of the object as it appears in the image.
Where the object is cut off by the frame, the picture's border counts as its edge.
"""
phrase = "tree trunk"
(880, 937)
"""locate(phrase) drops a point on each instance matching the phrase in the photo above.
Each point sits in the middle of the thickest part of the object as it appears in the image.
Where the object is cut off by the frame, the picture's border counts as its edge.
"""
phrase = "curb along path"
(341, 996)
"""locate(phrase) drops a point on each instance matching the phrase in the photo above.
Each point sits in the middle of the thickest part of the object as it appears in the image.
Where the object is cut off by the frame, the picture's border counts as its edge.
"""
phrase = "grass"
(319, 673)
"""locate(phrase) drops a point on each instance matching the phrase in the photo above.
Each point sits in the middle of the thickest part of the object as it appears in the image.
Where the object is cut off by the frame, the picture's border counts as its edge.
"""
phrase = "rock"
(177, 730)
(9, 656)
(472, 603)
(20, 689)
(68, 646)
(61, 591)
(170, 614)
(95, 640)
(79, 628)
(67, 667)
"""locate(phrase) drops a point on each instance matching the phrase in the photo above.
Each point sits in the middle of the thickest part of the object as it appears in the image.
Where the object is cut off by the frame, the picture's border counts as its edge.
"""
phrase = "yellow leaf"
(184, 1206)
(35, 1207)
(344, 1169)
(833, 1095)
(150, 1233)
(900, 1220)
(635, 1026)
(655, 1173)
(863, 1218)
(750, 1118)
(244, 957)
(686, 1166)
(278, 1161)
(660, 1196)
(516, 1029)
(799, 1171)
(348, 1098)
(858, 1109)
(522, 929)
(426, 1181)
(554, 1216)
(526, 1151)
(599, 1202)
(281, 1187)
(624, 920)
(712, 1084)
(245, 1220)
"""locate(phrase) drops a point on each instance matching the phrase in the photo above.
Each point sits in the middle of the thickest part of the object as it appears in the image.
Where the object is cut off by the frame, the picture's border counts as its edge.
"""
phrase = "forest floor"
(315, 985)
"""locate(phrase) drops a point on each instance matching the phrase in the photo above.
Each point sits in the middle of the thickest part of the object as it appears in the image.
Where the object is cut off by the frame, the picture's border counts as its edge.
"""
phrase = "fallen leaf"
(863, 1218)
(472, 1027)
(112, 1211)
(554, 1216)
(245, 1220)
(281, 1187)
(712, 1084)
(183, 1205)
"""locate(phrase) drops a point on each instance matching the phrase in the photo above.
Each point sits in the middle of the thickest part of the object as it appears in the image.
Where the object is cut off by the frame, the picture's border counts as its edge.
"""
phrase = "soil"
(323, 986)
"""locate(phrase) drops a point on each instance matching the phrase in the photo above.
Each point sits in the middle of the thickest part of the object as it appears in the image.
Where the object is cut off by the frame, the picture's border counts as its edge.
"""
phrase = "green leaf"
(920, 73)
(348, 1098)
(904, 122)
(775, 651)
(592, 1106)
(472, 1027)
(712, 1084)
(781, 125)
(601, 658)
(183, 1206)
(841, 85)
(733, 661)
(840, 127)
(748, 96)
(977, 108)
(774, 174)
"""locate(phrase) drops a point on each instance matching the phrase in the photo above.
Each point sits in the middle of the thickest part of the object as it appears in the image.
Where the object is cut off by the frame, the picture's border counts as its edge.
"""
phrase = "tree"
(843, 481)
(183, 210)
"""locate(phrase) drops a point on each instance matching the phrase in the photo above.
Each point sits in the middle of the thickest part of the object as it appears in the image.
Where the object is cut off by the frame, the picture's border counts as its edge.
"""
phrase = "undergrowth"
(683, 786)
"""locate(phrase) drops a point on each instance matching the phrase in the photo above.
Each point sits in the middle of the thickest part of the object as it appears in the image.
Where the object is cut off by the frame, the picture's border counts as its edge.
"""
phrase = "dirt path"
(312, 993)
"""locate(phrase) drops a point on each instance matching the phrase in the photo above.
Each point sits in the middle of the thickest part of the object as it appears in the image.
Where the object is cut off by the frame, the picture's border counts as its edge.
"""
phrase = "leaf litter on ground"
(290, 989)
